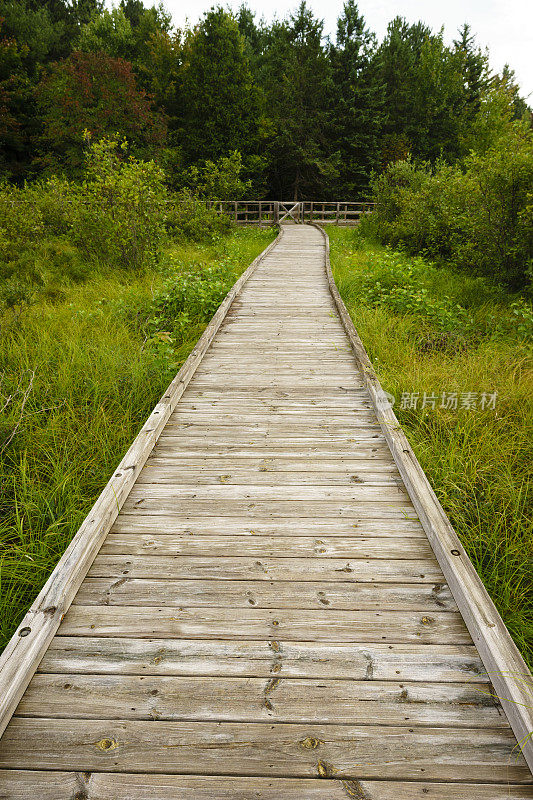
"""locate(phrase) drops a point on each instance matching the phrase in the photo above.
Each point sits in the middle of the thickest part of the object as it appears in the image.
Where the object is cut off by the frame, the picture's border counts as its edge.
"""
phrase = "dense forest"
(298, 116)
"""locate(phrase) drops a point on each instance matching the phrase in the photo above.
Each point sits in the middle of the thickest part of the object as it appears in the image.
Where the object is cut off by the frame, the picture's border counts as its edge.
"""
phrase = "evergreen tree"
(396, 63)
(110, 33)
(254, 35)
(220, 100)
(298, 88)
(68, 17)
(474, 69)
(358, 102)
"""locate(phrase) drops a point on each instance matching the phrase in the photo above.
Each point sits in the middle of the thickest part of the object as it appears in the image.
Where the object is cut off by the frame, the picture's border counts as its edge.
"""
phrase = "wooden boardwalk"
(266, 618)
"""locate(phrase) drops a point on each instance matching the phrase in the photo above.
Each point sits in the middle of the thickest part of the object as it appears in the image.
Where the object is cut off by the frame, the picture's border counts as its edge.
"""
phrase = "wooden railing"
(274, 212)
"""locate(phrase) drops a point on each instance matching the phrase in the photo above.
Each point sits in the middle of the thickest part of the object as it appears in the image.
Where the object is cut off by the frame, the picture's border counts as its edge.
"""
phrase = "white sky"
(505, 26)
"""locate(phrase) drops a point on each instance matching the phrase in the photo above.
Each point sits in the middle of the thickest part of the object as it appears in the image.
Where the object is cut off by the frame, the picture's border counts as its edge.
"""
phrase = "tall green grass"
(430, 329)
(78, 378)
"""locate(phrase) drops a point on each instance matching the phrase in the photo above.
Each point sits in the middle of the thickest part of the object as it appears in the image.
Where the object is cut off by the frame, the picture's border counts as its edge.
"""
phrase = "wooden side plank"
(511, 677)
(265, 659)
(25, 649)
(276, 749)
(20, 785)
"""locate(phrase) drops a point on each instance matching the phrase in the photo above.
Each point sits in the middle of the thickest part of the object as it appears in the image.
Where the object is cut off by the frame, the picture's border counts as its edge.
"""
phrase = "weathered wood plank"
(273, 424)
(189, 472)
(137, 523)
(260, 546)
(267, 658)
(66, 696)
(335, 570)
(256, 623)
(285, 382)
(355, 493)
(300, 509)
(368, 453)
(339, 394)
(20, 785)
(276, 749)
(425, 598)
(364, 444)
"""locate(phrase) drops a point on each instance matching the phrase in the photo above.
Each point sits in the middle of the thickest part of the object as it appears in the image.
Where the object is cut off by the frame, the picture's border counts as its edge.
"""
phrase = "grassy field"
(78, 378)
(431, 331)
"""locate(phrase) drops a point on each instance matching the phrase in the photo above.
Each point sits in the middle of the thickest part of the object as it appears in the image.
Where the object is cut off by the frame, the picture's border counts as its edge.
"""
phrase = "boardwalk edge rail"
(30, 641)
(507, 670)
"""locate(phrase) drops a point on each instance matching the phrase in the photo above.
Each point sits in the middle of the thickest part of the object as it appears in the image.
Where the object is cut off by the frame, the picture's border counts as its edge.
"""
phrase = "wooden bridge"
(281, 610)
(270, 212)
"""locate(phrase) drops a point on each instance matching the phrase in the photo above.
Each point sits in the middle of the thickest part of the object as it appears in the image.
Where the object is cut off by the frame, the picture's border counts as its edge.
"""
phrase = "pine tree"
(220, 101)
(298, 88)
(358, 102)
(474, 69)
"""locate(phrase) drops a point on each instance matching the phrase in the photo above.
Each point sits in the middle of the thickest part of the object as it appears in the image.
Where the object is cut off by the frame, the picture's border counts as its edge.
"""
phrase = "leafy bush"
(450, 309)
(221, 179)
(121, 216)
(56, 231)
(190, 218)
(56, 200)
(190, 296)
(479, 217)
(20, 223)
(396, 283)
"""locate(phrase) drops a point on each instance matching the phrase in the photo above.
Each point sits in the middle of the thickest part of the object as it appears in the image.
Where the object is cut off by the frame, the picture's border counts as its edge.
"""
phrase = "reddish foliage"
(95, 92)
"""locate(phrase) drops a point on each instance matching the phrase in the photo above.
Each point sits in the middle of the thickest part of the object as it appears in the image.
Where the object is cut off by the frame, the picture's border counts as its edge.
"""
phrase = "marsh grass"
(479, 462)
(99, 365)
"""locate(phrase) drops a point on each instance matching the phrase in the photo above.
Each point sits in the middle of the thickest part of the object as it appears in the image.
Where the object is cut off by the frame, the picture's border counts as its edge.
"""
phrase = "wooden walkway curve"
(266, 617)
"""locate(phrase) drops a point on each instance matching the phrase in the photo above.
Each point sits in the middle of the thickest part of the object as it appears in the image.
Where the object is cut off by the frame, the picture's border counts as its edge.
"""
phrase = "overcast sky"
(505, 26)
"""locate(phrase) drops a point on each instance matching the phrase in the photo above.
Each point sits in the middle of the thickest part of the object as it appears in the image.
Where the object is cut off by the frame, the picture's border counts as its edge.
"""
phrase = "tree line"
(274, 110)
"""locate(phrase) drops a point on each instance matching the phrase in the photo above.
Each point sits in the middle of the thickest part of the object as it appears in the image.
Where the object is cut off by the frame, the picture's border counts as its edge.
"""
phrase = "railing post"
(235, 211)
(337, 214)
(276, 213)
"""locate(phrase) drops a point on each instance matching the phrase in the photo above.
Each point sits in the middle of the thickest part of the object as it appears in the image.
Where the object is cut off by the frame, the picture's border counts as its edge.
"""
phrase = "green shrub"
(21, 225)
(190, 218)
(121, 216)
(478, 217)
(397, 283)
(188, 296)
(458, 307)
(56, 200)
(219, 180)
(56, 232)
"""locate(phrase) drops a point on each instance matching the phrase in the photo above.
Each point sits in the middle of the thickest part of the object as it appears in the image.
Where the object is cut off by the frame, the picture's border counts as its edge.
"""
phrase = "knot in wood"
(310, 743)
(106, 744)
